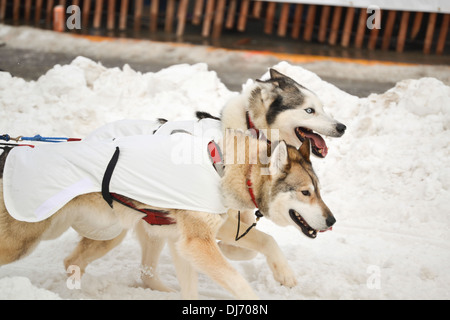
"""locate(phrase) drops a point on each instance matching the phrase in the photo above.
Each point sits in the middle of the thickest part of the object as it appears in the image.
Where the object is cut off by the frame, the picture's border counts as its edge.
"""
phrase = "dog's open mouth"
(304, 226)
(318, 145)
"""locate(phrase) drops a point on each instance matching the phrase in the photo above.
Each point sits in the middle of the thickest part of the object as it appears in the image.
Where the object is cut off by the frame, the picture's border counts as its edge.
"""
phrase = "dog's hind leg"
(13, 249)
(151, 246)
(89, 250)
(18, 238)
(198, 246)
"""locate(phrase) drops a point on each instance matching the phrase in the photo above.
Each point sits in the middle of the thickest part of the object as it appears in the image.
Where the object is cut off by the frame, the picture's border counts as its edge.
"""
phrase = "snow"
(387, 181)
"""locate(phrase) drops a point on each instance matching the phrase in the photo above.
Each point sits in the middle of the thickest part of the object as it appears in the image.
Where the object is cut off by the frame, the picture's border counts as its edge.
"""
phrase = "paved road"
(30, 65)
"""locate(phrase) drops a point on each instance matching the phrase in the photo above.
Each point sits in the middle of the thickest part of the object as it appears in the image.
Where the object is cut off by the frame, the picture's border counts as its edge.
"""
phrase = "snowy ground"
(387, 181)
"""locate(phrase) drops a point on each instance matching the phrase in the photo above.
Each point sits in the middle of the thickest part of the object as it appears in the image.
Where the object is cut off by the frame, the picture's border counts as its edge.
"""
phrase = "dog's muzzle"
(306, 228)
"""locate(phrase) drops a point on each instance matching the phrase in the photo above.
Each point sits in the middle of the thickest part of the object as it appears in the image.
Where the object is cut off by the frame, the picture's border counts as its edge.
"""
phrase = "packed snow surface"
(387, 181)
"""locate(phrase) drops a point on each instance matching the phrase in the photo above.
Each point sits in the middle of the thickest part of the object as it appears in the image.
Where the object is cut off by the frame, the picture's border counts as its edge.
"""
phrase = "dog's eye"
(306, 193)
(310, 110)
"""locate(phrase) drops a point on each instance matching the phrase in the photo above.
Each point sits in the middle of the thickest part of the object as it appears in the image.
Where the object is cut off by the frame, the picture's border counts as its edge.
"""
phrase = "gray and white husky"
(281, 104)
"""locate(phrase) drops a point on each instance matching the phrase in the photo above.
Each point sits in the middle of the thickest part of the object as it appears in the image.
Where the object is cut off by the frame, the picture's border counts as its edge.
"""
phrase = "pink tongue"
(318, 141)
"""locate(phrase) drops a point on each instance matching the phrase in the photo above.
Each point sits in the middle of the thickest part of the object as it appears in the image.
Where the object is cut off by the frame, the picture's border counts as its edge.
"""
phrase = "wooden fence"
(344, 26)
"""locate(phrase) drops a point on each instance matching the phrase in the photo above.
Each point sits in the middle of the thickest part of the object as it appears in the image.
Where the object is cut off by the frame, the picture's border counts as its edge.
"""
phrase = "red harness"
(258, 134)
(258, 213)
(250, 190)
(153, 217)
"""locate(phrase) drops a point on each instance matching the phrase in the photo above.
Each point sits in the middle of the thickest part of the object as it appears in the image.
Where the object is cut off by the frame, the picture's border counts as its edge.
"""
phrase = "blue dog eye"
(310, 110)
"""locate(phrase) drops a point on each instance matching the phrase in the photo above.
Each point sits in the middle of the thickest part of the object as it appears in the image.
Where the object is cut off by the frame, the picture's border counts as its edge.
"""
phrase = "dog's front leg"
(186, 274)
(197, 244)
(232, 251)
(263, 243)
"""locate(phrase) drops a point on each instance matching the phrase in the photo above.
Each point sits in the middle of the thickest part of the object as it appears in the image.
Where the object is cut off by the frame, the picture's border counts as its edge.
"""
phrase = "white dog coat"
(166, 171)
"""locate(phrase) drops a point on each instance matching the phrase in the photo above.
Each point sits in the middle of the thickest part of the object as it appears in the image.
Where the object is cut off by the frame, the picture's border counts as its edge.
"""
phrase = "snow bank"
(387, 181)
(75, 99)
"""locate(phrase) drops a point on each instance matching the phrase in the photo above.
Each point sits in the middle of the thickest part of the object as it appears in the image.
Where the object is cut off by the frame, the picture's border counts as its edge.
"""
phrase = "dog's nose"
(340, 127)
(330, 220)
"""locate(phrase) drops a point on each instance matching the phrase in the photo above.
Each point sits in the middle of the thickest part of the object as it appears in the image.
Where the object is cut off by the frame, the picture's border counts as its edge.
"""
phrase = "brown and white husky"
(287, 193)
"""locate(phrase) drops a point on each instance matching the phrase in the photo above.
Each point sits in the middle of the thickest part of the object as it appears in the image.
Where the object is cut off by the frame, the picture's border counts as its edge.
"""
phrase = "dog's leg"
(151, 249)
(15, 249)
(263, 243)
(236, 253)
(186, 274)
(89, 250)
(17, 238)
(198, 245)
(233, 252)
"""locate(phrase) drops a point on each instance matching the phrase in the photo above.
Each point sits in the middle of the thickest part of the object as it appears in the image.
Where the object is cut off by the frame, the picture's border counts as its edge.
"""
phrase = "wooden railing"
(344, 26)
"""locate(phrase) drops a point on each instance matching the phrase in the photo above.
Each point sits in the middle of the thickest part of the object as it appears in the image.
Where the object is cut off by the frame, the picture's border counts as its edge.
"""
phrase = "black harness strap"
(107, 177)
(3, 155)
(258, 215)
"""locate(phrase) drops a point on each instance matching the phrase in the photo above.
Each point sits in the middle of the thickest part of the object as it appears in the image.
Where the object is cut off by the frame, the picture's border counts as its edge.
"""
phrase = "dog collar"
(250, 190)
(252, 194)
(250, 124)
(256, 133)
(258, 213)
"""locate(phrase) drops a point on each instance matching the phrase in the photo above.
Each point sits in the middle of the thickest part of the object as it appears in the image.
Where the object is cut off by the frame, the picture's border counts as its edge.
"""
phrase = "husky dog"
(282, 104)
(289, 195)
(278, 103)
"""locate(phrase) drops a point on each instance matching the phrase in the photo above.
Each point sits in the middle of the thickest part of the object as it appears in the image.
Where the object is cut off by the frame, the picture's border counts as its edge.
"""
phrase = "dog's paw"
(156, 284)
(71, 262)
(283, 274)
(152, 281)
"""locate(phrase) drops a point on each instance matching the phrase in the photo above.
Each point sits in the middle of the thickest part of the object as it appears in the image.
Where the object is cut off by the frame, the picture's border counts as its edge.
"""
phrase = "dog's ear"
(275, 75)
(305, 149)
(279, 158)
(268, 84)
(282, 79)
